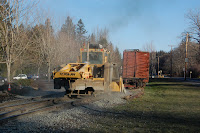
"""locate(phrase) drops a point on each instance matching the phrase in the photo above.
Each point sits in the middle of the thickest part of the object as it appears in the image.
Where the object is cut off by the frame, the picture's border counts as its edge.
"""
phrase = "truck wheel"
(66, 86)
(57, 84)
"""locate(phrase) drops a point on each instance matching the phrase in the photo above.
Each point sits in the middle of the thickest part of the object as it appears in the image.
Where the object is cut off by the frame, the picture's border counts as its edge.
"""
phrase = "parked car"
(2, 79)
(35, 77)
(29, 76)
(21, 76)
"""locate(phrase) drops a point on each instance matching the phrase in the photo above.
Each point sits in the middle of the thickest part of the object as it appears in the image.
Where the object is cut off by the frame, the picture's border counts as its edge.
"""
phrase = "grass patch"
(165, 107)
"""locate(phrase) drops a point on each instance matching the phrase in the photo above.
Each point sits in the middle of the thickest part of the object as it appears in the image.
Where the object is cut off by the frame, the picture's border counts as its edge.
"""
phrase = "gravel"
(77, 119)
(4, 96)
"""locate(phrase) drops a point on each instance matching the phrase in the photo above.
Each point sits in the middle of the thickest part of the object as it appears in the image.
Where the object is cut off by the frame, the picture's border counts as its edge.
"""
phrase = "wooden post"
(88, 47)
(186, 56)
(158, 66)
(171, 73)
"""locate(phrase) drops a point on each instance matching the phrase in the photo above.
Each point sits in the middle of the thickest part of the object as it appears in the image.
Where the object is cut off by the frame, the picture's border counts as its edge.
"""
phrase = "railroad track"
(18, 108)
(21, 100)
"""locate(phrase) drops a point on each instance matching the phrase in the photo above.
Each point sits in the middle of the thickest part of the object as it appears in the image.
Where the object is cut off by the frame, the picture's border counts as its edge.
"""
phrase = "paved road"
(193, 81)
(187, 79)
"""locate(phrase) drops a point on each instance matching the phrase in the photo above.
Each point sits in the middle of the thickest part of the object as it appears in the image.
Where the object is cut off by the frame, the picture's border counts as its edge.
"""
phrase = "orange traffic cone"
(9, 87)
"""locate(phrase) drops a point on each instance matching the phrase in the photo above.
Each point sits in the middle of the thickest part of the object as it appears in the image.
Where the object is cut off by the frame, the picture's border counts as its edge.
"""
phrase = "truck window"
(94, 57)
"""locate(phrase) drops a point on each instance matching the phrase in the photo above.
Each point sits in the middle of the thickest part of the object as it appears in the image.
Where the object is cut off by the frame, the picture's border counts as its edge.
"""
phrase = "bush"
(24, 82)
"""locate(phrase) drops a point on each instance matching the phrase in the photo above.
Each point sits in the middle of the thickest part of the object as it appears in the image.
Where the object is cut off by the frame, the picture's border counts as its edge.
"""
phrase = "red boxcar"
(135, 68)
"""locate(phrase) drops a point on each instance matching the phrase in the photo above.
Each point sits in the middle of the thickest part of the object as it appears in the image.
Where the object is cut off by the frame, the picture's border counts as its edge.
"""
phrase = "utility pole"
(186, 59)
(88, 54)
(171, 59)
(158, 66)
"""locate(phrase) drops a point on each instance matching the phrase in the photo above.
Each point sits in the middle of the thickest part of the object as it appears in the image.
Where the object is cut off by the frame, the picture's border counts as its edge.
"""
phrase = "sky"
(131, 23)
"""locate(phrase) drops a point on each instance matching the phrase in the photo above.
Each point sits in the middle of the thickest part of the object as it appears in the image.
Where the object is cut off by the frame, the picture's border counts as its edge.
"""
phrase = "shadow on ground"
(148, 121)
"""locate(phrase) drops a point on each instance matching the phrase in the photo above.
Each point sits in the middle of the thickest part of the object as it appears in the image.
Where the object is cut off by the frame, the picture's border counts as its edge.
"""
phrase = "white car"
(21, 76)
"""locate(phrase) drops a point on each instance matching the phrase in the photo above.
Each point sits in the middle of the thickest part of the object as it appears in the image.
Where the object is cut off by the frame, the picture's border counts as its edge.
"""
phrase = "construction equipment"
(160, 75)
(92, 73)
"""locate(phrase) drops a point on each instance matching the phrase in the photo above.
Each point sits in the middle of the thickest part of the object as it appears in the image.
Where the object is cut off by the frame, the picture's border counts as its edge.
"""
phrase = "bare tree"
(194, 18)
(13, 12)
(149, 47)
(100, 36)
(47, 45)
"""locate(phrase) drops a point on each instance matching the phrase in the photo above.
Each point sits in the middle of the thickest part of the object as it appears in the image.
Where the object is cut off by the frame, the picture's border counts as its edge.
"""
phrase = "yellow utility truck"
(91, 73)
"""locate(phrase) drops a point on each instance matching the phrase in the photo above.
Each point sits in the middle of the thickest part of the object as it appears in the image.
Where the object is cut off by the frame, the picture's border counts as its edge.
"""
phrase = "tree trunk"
(38, 71)
(8, 71)
(49, 70)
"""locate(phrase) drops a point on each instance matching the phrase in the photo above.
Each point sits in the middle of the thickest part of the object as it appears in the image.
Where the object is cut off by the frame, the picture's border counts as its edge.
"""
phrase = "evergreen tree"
(103, 41)
(81, 31)
(92, 39)
(69, 28)
(48, 26)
